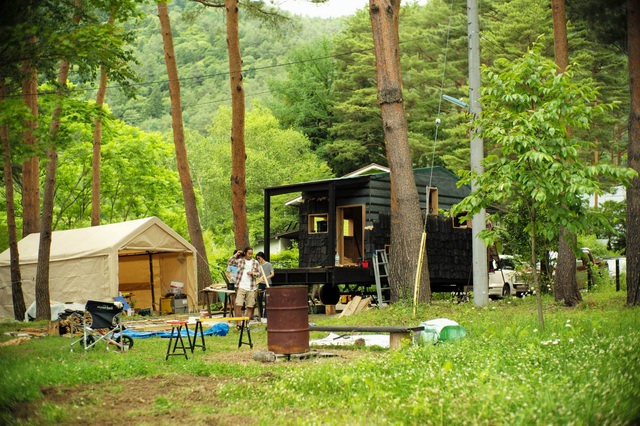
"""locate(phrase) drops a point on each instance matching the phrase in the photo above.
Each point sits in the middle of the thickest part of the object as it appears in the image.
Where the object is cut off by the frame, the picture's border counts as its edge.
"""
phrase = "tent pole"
(153, 294)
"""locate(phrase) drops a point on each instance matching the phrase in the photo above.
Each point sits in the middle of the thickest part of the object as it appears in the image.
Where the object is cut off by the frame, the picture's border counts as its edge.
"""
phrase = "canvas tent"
(141, 256)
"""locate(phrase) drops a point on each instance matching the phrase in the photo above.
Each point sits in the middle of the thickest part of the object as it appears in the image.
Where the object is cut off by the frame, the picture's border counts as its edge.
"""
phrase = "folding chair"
(101, 321)
(229, 298)
(230, 286)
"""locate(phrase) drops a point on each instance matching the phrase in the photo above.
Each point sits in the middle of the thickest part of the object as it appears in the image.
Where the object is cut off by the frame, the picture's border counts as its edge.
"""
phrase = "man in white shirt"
(246, 277)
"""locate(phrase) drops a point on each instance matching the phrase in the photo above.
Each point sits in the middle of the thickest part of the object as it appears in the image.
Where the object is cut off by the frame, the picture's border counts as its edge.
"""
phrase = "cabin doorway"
(350, 234)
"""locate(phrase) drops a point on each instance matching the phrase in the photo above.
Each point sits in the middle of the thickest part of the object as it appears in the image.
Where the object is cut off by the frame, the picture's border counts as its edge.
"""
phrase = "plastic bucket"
(441, 330)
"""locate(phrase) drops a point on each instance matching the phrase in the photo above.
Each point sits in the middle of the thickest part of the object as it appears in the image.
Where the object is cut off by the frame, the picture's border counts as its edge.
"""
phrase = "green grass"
(583, 368)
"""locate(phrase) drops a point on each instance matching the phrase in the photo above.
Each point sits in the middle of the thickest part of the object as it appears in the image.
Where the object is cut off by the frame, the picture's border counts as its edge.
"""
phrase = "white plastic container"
(176, 287)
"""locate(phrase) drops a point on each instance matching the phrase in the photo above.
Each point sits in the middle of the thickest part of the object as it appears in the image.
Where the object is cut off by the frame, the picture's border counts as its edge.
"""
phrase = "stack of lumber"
(355, 305)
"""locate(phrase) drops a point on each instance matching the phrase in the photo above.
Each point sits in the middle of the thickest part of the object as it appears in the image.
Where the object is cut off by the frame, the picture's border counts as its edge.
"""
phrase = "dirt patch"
(160, 400)
(165, 400)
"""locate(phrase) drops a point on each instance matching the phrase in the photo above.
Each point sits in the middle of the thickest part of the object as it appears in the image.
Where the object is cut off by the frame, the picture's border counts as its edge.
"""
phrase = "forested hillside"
(201, 51)
(319, 77)
(312, 110)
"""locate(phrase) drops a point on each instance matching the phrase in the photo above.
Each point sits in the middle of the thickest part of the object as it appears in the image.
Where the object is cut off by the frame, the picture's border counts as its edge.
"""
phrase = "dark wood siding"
(448, 252)
(313, 248)
(374, 192)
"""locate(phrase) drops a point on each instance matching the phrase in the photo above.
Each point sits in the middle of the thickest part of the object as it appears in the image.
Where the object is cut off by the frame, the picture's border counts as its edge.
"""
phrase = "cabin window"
(459, 223)
(348, 227)
(433, 201)
(318, 223)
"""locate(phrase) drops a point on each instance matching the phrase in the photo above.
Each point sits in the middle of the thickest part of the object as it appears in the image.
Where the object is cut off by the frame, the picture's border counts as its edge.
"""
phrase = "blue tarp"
(219, 329)
(125, 305)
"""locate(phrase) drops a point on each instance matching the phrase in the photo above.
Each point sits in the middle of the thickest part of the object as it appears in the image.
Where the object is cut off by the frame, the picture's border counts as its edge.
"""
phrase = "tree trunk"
(560, 43)
(191, 209)
(19, 308)
(565, 286)
(238, 154)
(97, 143)
(31, 166)
(633, 192)
(406, 217)
(43, 307)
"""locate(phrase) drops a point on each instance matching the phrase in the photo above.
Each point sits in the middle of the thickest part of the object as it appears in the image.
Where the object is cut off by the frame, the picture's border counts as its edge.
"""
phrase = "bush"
(598, 249)
(286, 259)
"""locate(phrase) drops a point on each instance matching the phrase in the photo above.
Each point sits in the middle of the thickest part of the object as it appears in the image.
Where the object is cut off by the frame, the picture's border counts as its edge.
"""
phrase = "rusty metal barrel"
(287, 319)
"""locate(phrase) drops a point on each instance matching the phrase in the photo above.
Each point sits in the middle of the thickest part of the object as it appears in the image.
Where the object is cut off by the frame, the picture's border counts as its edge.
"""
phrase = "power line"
(220, 101)
(218, 74)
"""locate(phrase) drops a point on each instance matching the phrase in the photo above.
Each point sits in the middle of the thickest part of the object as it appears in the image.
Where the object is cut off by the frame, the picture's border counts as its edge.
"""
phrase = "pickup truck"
(587, 266)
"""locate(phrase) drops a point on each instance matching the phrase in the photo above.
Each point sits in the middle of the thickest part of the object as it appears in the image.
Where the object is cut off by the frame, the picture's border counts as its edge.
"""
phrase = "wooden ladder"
(381, 273)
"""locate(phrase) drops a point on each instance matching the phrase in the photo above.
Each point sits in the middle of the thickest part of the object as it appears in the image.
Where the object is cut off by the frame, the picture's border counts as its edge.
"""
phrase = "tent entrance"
(148, 276)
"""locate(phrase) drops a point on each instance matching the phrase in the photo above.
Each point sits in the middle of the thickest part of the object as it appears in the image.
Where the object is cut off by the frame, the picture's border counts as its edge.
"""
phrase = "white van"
(504, 280)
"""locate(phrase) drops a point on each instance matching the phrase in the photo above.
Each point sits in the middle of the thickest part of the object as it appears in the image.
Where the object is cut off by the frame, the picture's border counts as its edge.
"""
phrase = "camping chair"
(229, 298)
(230, 285)
(101, 321)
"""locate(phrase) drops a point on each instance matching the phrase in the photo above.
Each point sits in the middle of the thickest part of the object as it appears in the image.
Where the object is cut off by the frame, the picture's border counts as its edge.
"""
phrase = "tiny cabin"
(343, 221)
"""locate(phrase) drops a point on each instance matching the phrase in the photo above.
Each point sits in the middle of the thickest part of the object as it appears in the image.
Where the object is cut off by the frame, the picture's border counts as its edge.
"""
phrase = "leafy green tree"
(17, 295)
(615, 234)
(154, 107)
(65, 33)
(303, 100)
(510, 27)
(275, 156)
(139, 178)
(431, 36)
(36, 36)
(177, 125)
(357, 137)
(526, 107)
(616, 24)
(236, 80)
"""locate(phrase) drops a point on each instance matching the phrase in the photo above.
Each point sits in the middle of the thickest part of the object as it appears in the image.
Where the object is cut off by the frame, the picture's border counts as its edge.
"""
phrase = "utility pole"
(479, 250)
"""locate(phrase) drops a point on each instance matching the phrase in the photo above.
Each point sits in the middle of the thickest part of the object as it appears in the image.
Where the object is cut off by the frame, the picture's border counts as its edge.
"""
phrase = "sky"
(330, 9)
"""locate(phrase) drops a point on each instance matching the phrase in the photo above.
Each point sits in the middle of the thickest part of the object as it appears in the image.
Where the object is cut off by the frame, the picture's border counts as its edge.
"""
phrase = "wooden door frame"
(340, 229)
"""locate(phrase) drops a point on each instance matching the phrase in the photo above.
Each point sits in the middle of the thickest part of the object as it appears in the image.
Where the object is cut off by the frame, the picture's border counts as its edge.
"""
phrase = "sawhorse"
(244, 325)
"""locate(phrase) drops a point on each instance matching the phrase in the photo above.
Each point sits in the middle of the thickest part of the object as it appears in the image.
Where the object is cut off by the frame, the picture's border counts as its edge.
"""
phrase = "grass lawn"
(583, 368)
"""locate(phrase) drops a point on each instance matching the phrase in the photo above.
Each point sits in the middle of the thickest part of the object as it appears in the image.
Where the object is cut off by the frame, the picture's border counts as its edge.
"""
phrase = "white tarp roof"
(84, 263)
(148, 234)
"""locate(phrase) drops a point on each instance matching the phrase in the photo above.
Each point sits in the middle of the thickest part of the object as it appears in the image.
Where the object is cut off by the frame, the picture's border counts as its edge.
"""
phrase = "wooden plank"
(395, 339)
(217, 319)
(53, 328)
(350, 308)
(363, 304)
(345, 309)
(365, 328)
